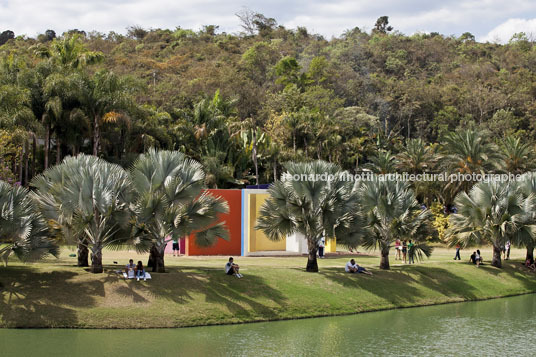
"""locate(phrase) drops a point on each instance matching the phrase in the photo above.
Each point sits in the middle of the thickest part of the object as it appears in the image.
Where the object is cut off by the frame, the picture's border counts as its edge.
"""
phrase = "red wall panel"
(234, 224)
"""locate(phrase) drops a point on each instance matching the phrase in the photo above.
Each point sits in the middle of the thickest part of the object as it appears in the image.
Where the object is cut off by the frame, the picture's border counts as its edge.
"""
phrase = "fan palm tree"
(170, 203)
(88, 199)
(314, 207)
(392, 212)
(22, 229)
(492, 213)
(527, 187)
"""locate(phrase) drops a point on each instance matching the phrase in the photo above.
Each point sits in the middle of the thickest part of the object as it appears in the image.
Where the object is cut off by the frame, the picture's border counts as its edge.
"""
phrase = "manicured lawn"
(195, 291)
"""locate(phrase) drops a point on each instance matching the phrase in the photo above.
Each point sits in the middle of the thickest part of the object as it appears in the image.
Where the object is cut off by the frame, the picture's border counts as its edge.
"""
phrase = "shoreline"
(261, 321)
(195, 293)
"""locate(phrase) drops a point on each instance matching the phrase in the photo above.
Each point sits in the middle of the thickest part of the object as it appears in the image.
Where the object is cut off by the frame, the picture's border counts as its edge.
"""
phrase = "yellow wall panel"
(257, 239)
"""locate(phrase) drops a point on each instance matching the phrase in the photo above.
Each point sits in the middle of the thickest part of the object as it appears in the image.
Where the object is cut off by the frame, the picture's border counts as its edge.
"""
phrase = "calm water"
(496, 327)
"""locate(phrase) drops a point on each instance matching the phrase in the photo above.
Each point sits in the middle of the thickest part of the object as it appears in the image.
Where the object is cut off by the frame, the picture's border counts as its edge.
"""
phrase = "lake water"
(494, 327)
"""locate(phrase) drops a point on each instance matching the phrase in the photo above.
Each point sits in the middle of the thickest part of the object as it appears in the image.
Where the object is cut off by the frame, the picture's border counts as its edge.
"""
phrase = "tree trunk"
(34, 154)
(96, 261)
(83, 255)
(312, 264)
(26, 164)
(47, 144)
(496, 261)
(530, 253)
(21, 163)
(384, 262)
(96, 135)
(156, 259)
(58, 150)
(254, 154)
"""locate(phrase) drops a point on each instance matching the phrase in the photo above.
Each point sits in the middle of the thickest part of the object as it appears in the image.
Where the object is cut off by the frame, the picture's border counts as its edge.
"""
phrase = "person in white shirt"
(352, 267)
(232, 269)
(321, 245)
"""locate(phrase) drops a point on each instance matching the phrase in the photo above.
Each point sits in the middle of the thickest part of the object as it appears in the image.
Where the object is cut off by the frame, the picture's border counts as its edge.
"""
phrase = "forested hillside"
(245, 103)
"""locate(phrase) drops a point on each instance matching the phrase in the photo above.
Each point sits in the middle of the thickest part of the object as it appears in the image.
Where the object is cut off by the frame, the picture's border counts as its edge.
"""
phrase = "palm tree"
(22, 229)
(465, 152)
(517, 157)
(392, 212)
(88, 199)
(170, 203)
(103, 97)
(313, 207)
(527, 187)
(382, 163)
(492, 213)
(418, 158)
(69, 52)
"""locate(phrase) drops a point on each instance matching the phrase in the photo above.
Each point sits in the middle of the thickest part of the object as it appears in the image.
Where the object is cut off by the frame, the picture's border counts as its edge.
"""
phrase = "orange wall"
(234, 224)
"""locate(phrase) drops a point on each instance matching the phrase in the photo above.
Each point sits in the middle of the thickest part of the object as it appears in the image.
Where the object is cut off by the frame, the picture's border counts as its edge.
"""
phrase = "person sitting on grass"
(130, 268)
(352, 267)
(476, 258)
(529, 263)
(232, 269)
(140, 272)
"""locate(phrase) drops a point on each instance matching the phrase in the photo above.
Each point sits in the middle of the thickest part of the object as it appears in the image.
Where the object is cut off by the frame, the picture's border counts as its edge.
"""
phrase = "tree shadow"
(398, 286)
(246, 297)
(44, 299)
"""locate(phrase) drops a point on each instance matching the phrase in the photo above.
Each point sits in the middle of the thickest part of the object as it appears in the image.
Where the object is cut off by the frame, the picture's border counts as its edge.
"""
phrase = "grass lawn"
(195, 290)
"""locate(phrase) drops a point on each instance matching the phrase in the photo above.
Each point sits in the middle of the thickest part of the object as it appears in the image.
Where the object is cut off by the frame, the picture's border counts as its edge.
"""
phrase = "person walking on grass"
(232, 269)
(404, 250)
(457, 256)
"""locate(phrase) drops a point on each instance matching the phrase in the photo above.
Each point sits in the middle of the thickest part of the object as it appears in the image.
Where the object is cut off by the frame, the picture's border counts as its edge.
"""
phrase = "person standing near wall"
(176, 248)
(321, 246)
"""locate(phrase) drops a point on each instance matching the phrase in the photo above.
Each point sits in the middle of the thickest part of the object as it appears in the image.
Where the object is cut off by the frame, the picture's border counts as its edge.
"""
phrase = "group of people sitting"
(476, 258)
(135, 270)
(231, 268)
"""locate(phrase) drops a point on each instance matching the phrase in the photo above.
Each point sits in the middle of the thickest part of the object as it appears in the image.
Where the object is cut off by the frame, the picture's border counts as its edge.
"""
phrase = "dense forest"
(243, 104)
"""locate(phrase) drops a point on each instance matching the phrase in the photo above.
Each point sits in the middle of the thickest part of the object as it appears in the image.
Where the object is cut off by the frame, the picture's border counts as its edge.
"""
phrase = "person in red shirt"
(457, 256)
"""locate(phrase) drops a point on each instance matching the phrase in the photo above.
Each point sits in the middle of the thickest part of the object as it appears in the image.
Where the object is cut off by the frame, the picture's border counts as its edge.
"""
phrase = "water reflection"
(495, 327)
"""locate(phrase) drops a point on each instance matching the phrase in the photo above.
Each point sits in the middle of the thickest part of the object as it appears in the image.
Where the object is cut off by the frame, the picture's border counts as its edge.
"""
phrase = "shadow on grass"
(244, 297)
(43, 299)
(399, 285)
(31, 298)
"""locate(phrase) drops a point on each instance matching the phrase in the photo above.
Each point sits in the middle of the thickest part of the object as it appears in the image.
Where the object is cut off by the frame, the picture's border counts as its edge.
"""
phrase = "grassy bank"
(195, 291)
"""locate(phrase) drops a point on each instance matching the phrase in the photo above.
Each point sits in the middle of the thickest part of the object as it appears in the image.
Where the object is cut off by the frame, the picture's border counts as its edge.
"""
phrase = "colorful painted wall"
(233, 221)
(254, 240)
(244, 207)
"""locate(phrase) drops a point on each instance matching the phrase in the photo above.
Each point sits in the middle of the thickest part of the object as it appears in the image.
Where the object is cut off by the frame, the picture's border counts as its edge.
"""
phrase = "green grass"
(195, 291)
